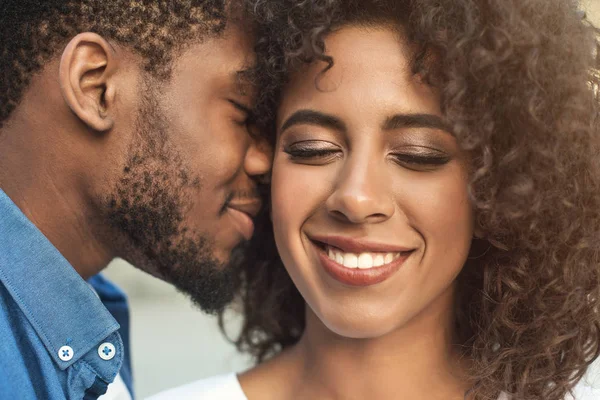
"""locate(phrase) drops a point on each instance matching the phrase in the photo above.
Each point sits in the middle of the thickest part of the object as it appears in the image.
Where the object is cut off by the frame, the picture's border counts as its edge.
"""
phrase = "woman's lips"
(357, 245)
(365, 275)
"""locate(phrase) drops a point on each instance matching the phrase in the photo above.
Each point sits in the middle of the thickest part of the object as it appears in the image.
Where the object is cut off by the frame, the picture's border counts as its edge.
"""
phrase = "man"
(123, 133)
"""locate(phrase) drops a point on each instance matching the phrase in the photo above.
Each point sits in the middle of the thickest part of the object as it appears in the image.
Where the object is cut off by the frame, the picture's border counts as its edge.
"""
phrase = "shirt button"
(106, 351)
(66, 353)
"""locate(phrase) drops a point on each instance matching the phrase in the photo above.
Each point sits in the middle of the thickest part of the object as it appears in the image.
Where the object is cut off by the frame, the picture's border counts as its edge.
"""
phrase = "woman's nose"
(361, 193)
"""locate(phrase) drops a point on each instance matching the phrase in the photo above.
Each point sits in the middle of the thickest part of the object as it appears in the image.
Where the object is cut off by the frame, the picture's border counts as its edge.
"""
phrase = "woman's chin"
(360, 326)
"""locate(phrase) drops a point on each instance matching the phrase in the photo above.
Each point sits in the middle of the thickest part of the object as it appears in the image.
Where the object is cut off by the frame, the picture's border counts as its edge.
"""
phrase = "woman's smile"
(358, 261)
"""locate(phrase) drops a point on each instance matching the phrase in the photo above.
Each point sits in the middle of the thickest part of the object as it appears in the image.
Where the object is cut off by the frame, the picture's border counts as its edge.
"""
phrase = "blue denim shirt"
(58, 338)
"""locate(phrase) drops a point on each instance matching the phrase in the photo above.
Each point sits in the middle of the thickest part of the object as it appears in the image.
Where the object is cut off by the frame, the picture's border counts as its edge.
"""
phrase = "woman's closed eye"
(312, 152)
(322, 152)
(420, 158)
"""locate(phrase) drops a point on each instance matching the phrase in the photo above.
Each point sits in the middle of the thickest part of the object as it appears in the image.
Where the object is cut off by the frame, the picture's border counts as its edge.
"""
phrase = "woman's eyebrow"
(312, 117)
(399, 121)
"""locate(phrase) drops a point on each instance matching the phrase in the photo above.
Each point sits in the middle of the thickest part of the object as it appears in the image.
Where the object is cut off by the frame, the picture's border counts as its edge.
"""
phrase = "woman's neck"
(416, 361)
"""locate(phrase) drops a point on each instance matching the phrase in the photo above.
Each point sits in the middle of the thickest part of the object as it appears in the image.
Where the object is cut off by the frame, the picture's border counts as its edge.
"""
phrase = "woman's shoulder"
(221, 387)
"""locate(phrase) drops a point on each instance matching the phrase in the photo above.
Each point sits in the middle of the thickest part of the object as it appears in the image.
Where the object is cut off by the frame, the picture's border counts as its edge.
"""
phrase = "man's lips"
(250, 207)
(242, 214)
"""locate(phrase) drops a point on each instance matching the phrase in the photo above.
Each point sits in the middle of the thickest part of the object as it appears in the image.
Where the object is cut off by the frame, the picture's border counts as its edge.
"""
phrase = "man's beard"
(148, 207)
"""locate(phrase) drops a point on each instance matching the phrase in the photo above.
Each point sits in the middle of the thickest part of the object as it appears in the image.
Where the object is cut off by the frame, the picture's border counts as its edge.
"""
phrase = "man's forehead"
(227, 60)
(236, 48)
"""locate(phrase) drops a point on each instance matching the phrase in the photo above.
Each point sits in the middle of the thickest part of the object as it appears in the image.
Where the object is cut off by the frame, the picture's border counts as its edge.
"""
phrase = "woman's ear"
(86, 67)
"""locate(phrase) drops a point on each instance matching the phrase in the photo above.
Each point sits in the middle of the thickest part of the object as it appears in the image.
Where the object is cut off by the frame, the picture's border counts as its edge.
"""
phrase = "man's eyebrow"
(400, 121)
(242, 80)
(312, 117)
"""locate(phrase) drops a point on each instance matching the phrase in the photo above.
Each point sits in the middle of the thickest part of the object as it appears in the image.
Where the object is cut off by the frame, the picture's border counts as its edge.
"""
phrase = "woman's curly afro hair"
(519, 85)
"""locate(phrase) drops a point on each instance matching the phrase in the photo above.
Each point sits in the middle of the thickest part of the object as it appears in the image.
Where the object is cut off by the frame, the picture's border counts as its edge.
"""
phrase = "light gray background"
(173, 343)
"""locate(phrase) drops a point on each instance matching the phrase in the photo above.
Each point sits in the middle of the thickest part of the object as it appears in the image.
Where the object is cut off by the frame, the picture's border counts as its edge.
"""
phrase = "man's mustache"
(247, 195)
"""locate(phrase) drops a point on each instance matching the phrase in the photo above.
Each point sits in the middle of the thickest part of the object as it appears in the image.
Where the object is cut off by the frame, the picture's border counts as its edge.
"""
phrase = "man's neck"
(55, 202)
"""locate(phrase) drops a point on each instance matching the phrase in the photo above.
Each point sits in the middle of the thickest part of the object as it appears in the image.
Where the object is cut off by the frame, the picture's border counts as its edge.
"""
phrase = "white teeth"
(363, 260)
(350, 260)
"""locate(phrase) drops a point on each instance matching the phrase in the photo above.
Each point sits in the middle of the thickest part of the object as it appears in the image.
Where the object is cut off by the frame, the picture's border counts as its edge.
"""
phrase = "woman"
(435, 203)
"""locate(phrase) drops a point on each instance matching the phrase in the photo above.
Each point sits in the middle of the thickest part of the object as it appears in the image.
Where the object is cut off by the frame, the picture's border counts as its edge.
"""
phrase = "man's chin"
(208, 279)
(210, 292)
(222, 257)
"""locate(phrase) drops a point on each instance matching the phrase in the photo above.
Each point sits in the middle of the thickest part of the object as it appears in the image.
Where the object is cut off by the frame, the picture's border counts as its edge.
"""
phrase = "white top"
(222, 387)
(227, 387)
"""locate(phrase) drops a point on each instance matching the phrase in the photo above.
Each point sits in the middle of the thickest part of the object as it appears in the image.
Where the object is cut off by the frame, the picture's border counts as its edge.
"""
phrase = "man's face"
(187, 193)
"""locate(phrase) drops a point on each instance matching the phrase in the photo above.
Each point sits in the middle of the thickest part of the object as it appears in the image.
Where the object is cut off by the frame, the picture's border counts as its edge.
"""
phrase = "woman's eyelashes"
(420, 158)
(312, 152)
(320, 152)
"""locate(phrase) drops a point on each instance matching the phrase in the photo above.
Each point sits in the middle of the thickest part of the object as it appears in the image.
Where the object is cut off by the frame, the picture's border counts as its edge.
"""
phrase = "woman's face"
(370, 205)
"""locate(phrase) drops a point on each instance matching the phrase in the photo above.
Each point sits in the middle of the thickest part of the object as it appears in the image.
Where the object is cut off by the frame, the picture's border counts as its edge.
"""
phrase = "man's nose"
(259, 158)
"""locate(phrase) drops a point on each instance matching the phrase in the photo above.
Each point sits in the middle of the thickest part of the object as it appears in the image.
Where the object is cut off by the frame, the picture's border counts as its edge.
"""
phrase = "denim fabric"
(45, 305)
(115, 302)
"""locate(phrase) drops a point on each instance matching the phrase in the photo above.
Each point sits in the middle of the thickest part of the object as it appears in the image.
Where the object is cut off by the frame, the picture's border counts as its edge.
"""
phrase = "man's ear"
(86, 68)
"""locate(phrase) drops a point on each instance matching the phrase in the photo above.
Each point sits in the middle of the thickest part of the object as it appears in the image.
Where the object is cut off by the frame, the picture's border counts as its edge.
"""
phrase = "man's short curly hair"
(519, 85)
(32, 31)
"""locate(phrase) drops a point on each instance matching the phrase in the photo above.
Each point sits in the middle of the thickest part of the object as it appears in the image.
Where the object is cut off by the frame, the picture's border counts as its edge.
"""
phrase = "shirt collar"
(58, 303)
